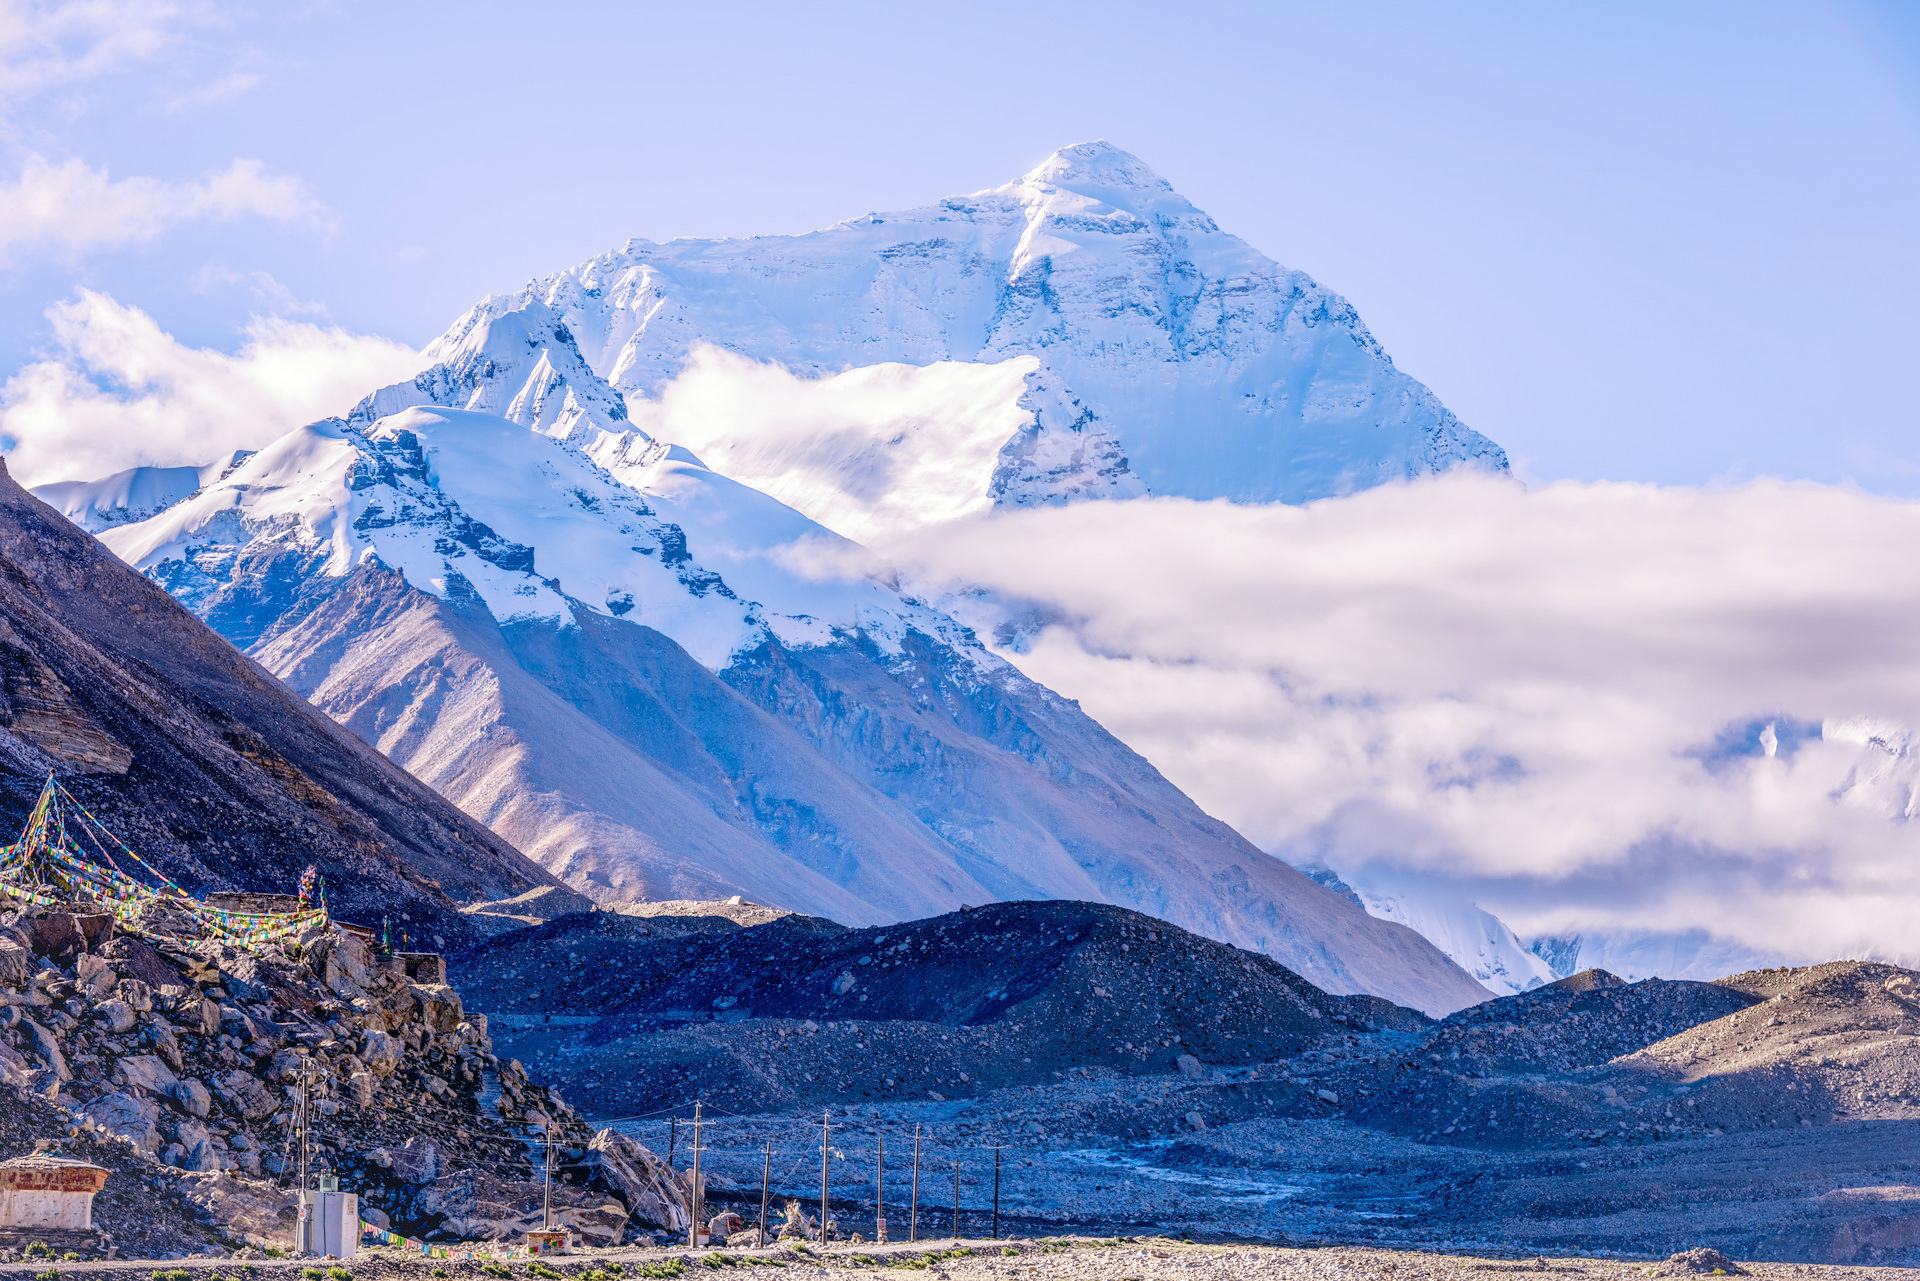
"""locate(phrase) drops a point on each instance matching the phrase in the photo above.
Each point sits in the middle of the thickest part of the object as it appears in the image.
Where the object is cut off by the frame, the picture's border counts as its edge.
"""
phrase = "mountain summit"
(1104, 336)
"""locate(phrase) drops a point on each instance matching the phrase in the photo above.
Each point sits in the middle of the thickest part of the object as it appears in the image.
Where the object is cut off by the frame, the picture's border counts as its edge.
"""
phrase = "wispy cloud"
(1554, 696)
(119, 391)
(52, 44)
(267, 291)
(67, 209)
(225, 88)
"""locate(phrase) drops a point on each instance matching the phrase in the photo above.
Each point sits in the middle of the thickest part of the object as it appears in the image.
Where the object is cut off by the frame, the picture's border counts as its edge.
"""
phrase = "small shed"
(48, 1192)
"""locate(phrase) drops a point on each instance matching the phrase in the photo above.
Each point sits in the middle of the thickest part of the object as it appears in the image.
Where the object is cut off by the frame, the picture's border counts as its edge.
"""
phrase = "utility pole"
(766, 1177)
(693, 1194)
(826, 1133)
(996, 1191)
(306, 1119)
(913, 1206)
(546, 1214)
(880, 1191)
(300, 1124)
(956, 1201)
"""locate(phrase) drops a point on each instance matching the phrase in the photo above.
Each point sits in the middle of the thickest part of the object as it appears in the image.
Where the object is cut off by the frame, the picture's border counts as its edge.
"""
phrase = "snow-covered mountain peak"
(1087, 167)
(518, 360)
(1099, 185)
(1168, 356)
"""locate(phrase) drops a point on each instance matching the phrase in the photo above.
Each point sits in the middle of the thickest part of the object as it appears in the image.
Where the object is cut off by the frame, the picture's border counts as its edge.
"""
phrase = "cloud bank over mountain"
(1559, 698)
(115, 390)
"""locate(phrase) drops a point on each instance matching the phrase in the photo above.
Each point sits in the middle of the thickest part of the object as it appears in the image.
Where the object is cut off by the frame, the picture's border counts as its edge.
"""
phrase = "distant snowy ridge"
(131, 495)
(1478, 941)
(1125, 345)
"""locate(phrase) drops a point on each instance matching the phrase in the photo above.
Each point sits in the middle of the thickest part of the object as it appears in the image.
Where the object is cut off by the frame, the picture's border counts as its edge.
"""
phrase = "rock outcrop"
(188, 1058)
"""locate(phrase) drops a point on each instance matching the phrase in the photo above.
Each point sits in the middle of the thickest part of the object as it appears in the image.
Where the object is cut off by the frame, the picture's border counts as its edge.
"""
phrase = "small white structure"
(48, 1192)
(329, 1223)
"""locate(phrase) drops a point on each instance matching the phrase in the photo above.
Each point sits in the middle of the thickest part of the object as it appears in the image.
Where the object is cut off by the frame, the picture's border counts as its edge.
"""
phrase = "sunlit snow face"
(1559, 698)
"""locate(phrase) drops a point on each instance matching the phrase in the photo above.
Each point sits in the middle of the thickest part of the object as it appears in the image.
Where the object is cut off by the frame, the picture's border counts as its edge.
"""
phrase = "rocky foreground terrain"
(1027, 1259)
(1139, 1079)
(177, 1063)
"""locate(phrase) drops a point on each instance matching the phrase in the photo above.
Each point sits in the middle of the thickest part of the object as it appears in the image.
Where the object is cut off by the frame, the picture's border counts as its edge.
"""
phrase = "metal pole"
(826, 1134)
(956, 1201)
(996, 1192)
(913, 1206)
(766, 1176)
(880, 1190)
(698, 1207)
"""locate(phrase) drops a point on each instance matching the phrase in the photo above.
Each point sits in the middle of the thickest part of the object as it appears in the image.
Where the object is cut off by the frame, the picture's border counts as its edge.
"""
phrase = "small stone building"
(46, 1192)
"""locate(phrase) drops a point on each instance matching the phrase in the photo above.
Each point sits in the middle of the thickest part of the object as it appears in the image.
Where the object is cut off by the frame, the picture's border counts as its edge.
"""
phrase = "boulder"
(15, 963)
(132, 1119)
(137, 994)
(192, 1098)
(95, 976)
(164, 1043)
(244, 1096)
(64, 935)
(46, 1048)
(118, 1017)
(380, 1052)
(439, 1008)
(146, 1073)
(416, 1163)
(654, 1194)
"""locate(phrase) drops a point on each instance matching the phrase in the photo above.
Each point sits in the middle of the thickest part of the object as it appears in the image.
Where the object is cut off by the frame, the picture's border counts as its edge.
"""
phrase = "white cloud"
(69, 208)
(1544, 695)
(120, 391)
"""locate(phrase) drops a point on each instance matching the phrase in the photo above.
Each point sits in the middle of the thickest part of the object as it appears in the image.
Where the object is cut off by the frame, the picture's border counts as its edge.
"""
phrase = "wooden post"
(693, 1194)
(880, 1190)
(766, 1176)
(913, 1206)
(956, 1202)
(996, 1192)
(546, 1207)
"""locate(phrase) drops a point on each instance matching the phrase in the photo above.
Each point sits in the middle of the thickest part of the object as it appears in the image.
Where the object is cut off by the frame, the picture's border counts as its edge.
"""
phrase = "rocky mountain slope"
(203, 763)
(179, 1061)
(632, 679)
(1111, 339)
(799, 1011)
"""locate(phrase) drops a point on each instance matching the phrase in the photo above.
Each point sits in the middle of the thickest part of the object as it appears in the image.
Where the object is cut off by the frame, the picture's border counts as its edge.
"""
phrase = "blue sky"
(1663, 242)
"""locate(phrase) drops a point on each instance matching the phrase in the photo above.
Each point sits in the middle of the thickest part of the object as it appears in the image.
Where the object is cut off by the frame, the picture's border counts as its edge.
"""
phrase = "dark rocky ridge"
(202, 761)
(646, 1012)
